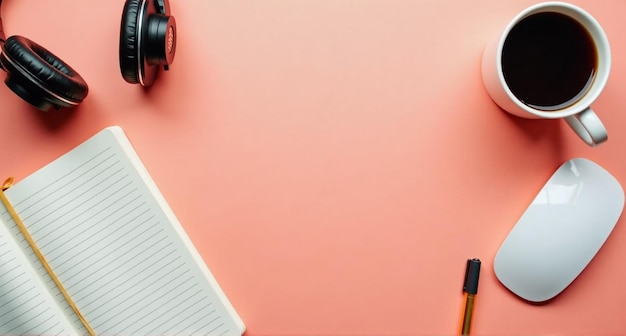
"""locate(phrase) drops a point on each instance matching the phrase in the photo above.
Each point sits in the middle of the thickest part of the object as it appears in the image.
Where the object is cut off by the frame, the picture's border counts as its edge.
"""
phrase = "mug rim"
(602, 48)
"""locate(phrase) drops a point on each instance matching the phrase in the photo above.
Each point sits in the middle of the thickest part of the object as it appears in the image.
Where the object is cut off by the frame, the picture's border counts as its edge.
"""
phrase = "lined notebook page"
(117, 248)
(26, 306)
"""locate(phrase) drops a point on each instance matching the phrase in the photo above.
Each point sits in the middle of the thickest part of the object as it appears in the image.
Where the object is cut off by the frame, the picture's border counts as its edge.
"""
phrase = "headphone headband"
(2, 36)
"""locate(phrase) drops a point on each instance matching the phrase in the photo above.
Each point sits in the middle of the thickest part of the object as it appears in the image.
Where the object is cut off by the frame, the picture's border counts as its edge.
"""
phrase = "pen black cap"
(472, 271)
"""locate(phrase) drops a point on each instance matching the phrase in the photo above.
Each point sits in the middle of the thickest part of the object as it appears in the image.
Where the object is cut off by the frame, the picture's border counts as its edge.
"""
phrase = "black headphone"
(147, 41)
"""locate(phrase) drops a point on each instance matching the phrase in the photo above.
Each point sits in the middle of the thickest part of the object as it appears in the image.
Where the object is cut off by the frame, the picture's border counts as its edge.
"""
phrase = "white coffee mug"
(578, 114)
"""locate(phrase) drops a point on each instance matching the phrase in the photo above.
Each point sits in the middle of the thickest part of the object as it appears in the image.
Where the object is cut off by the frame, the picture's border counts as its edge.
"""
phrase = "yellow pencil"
(6, 185)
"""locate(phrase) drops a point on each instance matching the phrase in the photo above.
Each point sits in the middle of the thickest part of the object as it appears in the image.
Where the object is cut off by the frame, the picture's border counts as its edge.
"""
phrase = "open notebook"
(115, 245)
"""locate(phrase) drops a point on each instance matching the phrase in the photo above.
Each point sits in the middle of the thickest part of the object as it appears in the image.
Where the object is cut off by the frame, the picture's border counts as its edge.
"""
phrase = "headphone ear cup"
(129, 59)
(40, 77)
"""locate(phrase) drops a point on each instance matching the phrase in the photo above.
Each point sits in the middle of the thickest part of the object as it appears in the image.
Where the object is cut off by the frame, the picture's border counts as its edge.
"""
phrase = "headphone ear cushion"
(129, 60)
(43, 69)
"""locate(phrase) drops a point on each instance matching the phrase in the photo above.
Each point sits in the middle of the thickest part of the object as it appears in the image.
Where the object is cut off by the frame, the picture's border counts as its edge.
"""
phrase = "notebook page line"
(58, 241)
(56, 230)
(111, 298)
(67, 260)
(69, 201)
(48, 238)
(24, 308)
(46, 217)
(91, 235)
(99, 300)
(139, 318)
(38, 192)
(156, 327)
(117, 241)
(96, 261)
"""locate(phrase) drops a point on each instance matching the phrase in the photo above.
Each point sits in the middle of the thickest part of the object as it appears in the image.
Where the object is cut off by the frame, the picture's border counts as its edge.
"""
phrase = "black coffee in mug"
(549, 61)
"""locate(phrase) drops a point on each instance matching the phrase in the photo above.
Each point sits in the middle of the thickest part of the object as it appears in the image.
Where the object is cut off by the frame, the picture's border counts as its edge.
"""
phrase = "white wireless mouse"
(560, 232)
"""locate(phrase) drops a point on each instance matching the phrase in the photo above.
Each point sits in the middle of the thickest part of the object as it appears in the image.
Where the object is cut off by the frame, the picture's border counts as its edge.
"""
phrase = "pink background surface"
(335, 162)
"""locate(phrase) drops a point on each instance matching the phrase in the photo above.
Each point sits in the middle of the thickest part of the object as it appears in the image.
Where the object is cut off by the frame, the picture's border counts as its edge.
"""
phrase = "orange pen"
(470, 289)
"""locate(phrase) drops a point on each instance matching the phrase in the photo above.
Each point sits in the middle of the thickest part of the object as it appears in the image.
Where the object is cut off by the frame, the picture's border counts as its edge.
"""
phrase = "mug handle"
(588, 127)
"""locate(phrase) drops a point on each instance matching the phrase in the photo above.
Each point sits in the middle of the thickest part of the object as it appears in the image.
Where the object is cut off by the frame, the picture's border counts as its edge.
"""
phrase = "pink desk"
(335, 162)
